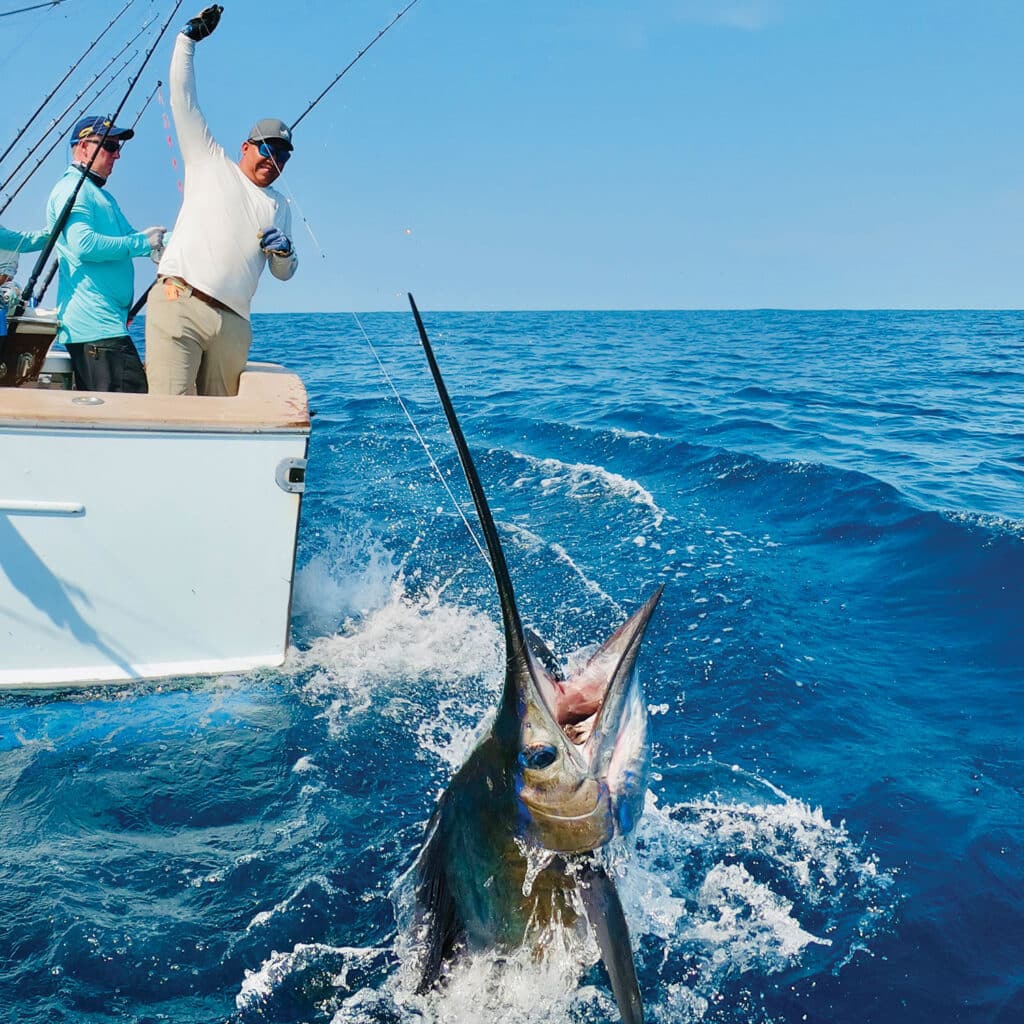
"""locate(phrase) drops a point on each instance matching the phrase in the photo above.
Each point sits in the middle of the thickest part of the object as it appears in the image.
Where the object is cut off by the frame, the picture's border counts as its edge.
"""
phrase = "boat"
(146, 536)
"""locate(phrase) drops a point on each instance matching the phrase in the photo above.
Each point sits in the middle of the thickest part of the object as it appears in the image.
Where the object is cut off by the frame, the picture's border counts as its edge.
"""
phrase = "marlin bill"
(510, 852)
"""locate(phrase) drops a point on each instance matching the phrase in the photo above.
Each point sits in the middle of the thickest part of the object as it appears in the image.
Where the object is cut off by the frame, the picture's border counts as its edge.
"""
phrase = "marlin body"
(510, 849)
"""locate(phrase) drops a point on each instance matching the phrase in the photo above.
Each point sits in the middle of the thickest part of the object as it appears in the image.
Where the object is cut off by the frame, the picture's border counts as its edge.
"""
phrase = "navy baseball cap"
(98, 126)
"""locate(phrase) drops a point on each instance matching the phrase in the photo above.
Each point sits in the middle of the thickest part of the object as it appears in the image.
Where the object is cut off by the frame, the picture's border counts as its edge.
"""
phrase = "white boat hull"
(137, 543)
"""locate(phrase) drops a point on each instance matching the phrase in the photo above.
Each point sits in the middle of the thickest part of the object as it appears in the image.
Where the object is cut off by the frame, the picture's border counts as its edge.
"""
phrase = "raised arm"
(194, 136)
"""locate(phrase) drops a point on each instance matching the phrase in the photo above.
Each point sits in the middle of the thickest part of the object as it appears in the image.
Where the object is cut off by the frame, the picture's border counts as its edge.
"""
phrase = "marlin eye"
(541, 756)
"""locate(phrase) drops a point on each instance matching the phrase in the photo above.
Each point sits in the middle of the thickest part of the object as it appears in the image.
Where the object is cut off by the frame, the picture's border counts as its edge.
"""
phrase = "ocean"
(834, 823)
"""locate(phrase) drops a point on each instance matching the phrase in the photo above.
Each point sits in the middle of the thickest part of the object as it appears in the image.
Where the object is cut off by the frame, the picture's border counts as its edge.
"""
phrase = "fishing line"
(291, 199)
(383, 369)
(420, 438)
(68, 74)
(56, 121)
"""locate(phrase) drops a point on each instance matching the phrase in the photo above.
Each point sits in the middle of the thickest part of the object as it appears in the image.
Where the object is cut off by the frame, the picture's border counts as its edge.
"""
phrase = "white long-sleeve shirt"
(215, 244)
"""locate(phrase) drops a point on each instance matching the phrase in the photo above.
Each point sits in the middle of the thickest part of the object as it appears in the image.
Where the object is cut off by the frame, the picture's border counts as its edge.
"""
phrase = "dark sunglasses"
(110, 145)
(278, 154)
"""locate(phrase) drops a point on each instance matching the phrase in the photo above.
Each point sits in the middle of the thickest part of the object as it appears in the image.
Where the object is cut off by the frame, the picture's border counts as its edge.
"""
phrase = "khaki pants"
(191, 347)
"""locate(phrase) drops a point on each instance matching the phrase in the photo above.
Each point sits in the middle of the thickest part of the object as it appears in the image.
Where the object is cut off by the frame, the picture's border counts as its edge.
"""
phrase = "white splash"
(583, 482)
(379, 659)
(351, 576)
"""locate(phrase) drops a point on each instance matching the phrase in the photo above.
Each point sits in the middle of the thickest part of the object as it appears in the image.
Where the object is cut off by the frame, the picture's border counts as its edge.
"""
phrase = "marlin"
(560, 772)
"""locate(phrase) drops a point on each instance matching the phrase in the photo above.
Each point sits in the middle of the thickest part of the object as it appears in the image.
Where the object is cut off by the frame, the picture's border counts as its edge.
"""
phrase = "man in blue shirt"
(95, 252)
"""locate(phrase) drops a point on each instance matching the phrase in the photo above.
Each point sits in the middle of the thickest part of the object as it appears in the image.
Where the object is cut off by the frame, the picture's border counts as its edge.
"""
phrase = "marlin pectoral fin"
(604, 911)
(445, 929)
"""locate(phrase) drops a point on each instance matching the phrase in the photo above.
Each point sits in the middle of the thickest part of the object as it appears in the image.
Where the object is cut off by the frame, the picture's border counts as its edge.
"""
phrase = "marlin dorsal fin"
(514, 637)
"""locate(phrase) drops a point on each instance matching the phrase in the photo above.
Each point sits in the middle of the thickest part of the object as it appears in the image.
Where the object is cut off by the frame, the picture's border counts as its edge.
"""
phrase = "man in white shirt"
(231, 225)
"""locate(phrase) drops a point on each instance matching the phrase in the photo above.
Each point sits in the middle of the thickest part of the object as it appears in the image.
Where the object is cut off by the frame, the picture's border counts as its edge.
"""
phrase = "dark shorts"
(110, 364)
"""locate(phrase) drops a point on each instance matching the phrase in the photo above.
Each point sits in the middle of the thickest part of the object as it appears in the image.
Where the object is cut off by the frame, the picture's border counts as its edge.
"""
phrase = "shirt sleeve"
(284, 267)
(92, 247)
(194, 138)
(23, 241)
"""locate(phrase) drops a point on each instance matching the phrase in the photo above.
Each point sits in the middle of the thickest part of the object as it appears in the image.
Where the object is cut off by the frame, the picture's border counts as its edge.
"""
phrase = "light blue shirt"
(96, 281)
(22, 241)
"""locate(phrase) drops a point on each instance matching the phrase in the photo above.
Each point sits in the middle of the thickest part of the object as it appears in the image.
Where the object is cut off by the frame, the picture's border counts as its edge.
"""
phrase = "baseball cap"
(98, 126)
(271, 129)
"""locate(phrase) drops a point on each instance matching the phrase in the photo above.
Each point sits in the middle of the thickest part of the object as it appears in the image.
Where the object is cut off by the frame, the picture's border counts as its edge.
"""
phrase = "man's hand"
(155, 236)
(204, 23)
(275, 242)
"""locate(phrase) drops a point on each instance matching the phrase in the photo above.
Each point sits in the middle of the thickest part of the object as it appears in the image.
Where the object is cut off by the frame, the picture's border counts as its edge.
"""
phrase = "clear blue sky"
(561, 154)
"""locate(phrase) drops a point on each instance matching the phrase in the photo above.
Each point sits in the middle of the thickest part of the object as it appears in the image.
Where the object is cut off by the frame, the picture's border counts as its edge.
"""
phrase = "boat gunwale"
(270, 400)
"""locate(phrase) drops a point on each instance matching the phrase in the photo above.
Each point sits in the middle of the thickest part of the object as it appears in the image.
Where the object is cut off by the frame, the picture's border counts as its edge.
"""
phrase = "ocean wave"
(582, 482)
(720, 895)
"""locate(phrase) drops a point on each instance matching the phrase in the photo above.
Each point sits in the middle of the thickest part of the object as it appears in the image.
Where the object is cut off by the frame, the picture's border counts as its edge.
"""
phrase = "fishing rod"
(133, 312)
(70, 72)
(341, 74)
(60, 137)
(149, 99)
(50, 274)
(61, 115)
(34, 7)
(58, 226)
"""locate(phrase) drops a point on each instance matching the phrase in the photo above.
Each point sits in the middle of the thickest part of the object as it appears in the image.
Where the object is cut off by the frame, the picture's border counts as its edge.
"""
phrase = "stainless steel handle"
(45, 508)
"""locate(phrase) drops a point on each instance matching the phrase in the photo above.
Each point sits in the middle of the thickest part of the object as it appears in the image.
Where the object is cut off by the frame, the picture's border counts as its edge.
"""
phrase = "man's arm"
(284, 267)
(277, 244)
(23, 241)
(194, 136)
(92, 247)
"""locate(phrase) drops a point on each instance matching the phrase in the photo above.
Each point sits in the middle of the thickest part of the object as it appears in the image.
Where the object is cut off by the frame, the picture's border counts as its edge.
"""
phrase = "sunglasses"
(110, 145)
(278, 154)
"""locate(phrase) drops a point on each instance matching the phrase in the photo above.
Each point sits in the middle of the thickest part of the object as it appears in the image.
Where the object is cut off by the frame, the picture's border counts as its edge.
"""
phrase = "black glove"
(204, 24)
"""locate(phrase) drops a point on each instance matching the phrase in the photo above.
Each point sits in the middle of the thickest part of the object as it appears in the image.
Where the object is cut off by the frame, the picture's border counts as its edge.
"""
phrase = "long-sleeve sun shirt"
(215, 244)
(96, 280)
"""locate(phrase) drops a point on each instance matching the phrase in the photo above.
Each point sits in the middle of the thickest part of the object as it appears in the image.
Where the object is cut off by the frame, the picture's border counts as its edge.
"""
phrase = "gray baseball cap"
(271, 129)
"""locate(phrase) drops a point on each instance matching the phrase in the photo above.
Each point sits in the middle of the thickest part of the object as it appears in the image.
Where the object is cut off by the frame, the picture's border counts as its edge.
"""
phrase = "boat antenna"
(62, 219)
(341, 74)
(70, 72)
(61, 115)
(60, 137)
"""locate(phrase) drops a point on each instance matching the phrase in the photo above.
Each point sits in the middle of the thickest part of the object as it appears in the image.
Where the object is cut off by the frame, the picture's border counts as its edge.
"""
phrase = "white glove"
(155, 237)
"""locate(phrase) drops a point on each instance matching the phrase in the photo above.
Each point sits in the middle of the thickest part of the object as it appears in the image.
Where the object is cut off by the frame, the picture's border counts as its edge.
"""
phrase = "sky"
(607, 154)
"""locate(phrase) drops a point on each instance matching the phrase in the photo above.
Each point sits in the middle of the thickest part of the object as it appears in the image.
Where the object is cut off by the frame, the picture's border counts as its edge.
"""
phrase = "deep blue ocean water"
(834, 829)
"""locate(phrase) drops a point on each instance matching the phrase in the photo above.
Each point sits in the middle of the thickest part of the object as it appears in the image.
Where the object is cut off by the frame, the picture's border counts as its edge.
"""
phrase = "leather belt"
(184, 286)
